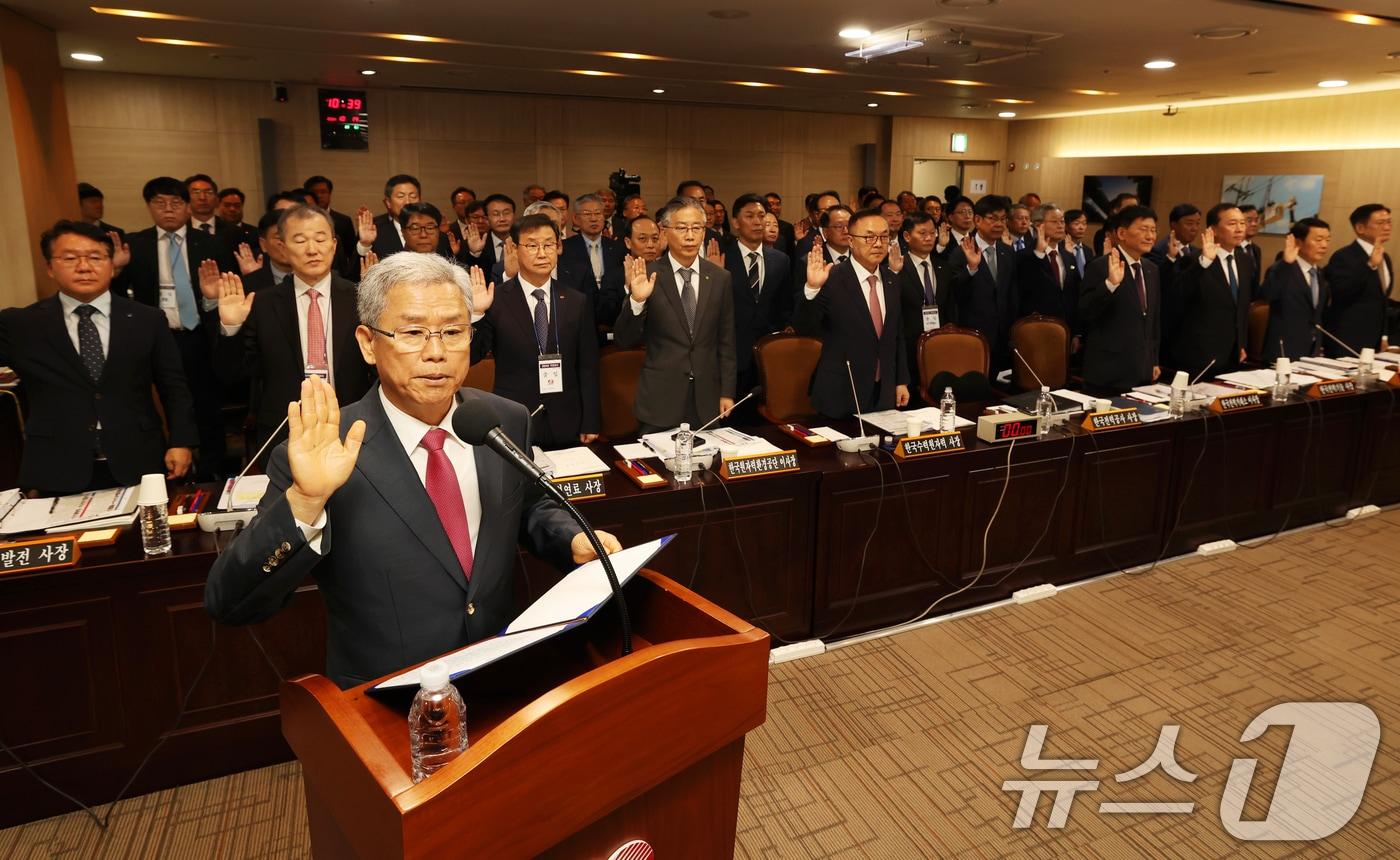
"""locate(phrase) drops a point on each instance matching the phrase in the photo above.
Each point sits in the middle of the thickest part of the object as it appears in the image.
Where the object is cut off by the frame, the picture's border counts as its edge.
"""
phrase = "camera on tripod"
(624, 184)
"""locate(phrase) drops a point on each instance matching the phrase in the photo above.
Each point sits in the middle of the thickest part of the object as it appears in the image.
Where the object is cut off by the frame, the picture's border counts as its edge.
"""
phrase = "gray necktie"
(1312, 284)
(990, 253)
(688, 298)
(541, 320)
(89, 342)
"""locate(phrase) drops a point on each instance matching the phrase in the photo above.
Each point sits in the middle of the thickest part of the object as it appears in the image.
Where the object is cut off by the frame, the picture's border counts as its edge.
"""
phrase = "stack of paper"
(569, 462)
(896, 423)
(99, 509)
(243, 494)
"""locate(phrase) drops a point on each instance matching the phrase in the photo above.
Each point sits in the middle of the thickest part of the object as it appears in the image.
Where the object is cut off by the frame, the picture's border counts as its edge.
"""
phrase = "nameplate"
(929, 444)
(1330, 388)
(1394, 380)
(1242, 402)
(1112, 419)
(753, 465)
(38, 554)
(1005, 428)
(579, 487)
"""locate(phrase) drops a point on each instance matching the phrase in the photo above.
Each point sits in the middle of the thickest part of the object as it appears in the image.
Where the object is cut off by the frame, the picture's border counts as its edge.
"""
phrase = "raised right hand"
(476, 240)
(1208, 246)
(1377, 254)
(364, 225)
(510, 258)
(320, 462)
(1116, 270)
(234, 306)
(639, 283)
(209, 279)
(248, 263)
(972, 252)
(1290, 249)
(367, 261)
(818, 269)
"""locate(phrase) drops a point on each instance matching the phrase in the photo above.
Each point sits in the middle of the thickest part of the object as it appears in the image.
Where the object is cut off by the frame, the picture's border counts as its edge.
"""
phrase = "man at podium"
(409, 532)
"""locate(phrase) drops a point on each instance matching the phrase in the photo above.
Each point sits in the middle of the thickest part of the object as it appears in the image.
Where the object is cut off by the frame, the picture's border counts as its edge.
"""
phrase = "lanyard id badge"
(170, 305)
(930, 317)
(551, 367)
(312, 370)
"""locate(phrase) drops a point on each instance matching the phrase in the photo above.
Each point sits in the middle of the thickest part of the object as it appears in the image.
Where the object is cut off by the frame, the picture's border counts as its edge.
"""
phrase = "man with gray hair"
(409, 530)
(1046, 271)
(588, 249)
(681, 308)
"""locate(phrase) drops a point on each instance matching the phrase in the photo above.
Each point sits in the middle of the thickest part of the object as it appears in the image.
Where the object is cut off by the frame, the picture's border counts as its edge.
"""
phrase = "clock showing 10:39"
(343, 118)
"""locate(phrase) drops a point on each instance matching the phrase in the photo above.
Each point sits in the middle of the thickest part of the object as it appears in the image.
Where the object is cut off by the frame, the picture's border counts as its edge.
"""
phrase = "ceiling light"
(86, 58)
(1332, 84)
(410, 37)
(854, 33)
(368, 72)
(1358, 18)
(872, 104)
(960, 83)
(1013, 101)
(628, 55)
(889, 93)
(137, 13)
(390, 58)
(1007, 114)
(1094, 92)
(1159, 64)
(884, 49)
(1219, 34)
(809, 70)
(179, 43)
(657, 90)
(593, 73)
(753, 84)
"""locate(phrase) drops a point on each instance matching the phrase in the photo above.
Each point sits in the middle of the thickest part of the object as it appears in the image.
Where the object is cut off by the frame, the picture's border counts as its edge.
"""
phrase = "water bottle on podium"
(684, 459)
(151, 500)
(437, 722)
(947, 412)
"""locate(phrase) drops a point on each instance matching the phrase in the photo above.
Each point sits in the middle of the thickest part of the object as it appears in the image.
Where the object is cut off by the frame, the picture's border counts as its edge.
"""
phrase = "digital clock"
(344, 119)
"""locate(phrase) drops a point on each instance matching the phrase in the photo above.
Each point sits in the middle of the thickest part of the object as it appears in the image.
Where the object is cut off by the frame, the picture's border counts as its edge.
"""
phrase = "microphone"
(1203, 372)
(479, 424)
(1338, 340)
(216, 521)
(1034, 375)
(861, 442)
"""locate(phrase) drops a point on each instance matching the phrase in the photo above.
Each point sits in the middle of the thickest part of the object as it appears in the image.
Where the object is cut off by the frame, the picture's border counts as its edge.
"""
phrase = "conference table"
(100, 658)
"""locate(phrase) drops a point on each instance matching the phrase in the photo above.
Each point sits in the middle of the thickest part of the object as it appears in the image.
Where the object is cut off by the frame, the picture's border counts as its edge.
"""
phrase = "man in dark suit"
(87, 360)
(410, 532)
(821, 203)
(204, 215)
(1214, 289)
(1296, 289)
(854, 308)
(682, 308)
(346, 237)
(1185, 222)
(230, 218)
(925, 289)
(383, 234)
(91, 204)
(164, 272)
(641, 235)
(1116, 205)
(1047, 277)
(1018, 227)
(589, 251)
(1251, 229)
(787, 235)
(702, 194)
(1120, 308)
(461, 198)
(542, 335)
(421, 224)
(760, 280)
(273, 267)
(986, 291)
(489, 249)
(1362, 279)
(302, 325)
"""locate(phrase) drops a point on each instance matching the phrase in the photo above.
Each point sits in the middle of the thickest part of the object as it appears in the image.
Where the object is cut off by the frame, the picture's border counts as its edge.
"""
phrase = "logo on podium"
(637, 849)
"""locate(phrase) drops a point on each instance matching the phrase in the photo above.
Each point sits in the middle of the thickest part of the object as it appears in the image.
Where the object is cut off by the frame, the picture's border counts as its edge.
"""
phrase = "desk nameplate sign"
(1112, 419)
(929, 444)
(576, 488)
(1242, 402)
(26, 556)
(754, 465)
(1326, 388)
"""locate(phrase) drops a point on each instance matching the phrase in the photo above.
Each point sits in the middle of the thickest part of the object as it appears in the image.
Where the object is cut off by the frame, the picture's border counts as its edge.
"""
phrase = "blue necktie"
(184, 293)
(1079, 257)
(1232, 277)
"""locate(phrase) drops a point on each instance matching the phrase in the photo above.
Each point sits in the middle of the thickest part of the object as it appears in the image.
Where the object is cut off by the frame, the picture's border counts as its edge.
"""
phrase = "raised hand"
(453, 242)
(1107, 242)
(1208, 246)
(1116, 270)
(482, 293)
(366, 262)
(320, 462)
(476, 240)
(972, 252)
(1041, 244)
(713, 253)
(364, 226)
(1377, 254)
(1290, 249)
(247, 263)
(1173, 246)
(510, 258)
(121, 251)
(801, 229)
(895, 259)
(234, 306)
(818, 269)
(945, 234)
(209, 279)
(639, 283)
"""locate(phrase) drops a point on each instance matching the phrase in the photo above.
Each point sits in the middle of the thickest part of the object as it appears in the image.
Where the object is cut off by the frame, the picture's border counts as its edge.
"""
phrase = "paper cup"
(913, 427)
(152, 491)
(1101, 405)
(1181, 380)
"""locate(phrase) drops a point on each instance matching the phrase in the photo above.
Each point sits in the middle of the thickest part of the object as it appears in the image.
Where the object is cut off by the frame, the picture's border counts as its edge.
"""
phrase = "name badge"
(930, 317)
(312, 370)
(170, 305)
(551, 373)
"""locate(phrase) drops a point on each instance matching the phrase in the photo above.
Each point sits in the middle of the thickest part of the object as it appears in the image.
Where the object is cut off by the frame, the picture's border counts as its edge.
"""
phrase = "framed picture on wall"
(1282, 200)
(1099, 192)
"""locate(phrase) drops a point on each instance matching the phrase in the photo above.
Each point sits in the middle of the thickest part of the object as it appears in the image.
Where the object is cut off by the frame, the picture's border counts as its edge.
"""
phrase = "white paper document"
(634, 451)
(570, 462)
(831, 434)
(243, 494)
(1077, 396)
(895, 422)
(663, 446)
(35, 515)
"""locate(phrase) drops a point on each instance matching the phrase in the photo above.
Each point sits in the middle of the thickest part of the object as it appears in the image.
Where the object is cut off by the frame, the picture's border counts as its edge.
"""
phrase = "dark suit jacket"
(267, 350)
(787, 238)
(65, 405)
(911, 305)
(839, 314)
(387, 241)
(1214, 323)
(770, 312)
(1041, 290)
(394, 590)
(507, 331)
(1292, 316)
(1257, 255)
(674, 354)
(1356, 313)
(236, 234)
(486, 260)
(988, 305)
(261, 279)
(575, 252)
(1173, 296)
(140, 279)
(1121, 343)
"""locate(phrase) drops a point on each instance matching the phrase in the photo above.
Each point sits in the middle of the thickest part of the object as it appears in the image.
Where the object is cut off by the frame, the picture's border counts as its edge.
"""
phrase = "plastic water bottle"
(1044, 408)
(683, 460)
(151, 500)
(947, 412)
(437, 722)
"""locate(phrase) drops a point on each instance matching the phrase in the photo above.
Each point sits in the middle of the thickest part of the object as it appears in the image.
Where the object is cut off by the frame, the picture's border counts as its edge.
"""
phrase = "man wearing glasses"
(541, 332)
(86, 360)
(410, 532)
(422, 230)
(854, 308)
(303, 326)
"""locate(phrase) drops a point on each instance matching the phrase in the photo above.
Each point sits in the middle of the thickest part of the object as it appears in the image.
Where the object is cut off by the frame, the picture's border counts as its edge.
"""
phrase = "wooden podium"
(574, 750)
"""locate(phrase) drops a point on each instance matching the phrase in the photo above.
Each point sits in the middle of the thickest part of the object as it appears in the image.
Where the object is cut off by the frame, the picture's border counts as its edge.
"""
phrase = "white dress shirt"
(530, 301)
(303, 301)
(638, 307)
(410, 432)
(744, 252)
(102, 319)
(196, 224)
(1383, 270)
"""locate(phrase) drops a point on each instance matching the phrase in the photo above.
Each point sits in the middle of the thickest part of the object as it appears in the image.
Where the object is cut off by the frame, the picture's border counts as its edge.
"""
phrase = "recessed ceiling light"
(179, 43)
(753, 84)
(86, 58)
(368, 72)
(593, 73)
(1094, 92)
(628, 55)
(889, 93)
(392, 58)
(1358, 18)
(1007, 114)
(413, 37)
(872, 104)
(1013, 101)
(854, 33)
(1332, 84)
(138, 13)
(1159, 64)
(961, 83)
(657, 90)
(810, 70)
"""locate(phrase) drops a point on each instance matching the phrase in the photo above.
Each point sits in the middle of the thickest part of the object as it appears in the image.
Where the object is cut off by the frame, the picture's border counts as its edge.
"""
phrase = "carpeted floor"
(899, 747)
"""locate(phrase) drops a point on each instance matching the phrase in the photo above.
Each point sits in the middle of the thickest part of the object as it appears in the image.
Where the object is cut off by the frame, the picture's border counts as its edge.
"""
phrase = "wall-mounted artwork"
(1282, 200)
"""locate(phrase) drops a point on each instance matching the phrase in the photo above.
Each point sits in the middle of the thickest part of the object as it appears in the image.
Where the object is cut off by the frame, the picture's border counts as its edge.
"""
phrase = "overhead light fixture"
(86, 58)
(854, 33)
(1358, 18)
(1159, 64)
(809, 70)
(412, 37)
(391, 58)
(138, 13)
(658, 90)
(1332, 84)
(179, 43)
(368, 72)
(628, 55)
(872, 104)
(1007, 114)
(889, 93)
(1094, 92)
(960, 83)
(1013, 101)
(753, 84)
(884, 49)
(593, 73)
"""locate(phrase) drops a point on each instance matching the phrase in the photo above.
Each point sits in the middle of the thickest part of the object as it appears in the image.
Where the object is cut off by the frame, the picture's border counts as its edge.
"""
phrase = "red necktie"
(1055, 267)
(1142, 287)
(315, 332)
(446, 495)
(876, 318)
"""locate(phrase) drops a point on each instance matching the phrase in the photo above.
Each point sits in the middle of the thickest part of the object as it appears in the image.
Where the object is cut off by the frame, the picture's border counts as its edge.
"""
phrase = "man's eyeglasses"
(413, 338)
(71, 260)
(539, 247)
(872, 238)
(167, 204)
(686, 229)
(421, 229)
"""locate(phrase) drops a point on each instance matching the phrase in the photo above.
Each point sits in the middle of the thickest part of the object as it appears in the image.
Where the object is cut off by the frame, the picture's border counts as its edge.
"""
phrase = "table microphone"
(1338, 341)
(1203, 372)
(861, 442)
(479, 424)
(216, 521)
